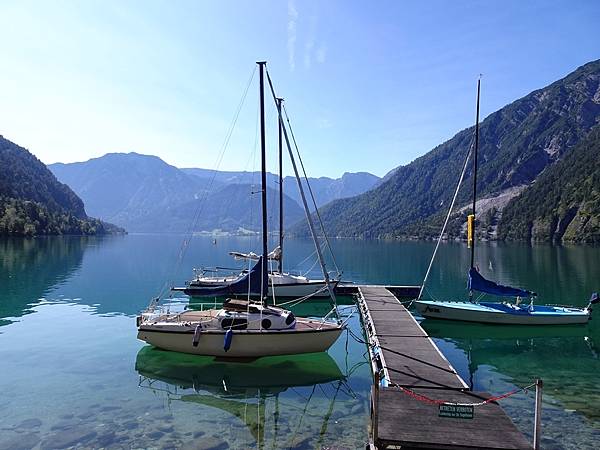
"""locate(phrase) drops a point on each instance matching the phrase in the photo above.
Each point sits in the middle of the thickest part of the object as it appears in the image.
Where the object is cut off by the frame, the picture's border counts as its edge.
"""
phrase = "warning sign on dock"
(456, 411)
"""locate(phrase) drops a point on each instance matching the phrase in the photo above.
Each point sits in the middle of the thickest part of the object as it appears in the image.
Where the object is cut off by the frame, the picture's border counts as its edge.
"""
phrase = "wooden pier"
(409, 371)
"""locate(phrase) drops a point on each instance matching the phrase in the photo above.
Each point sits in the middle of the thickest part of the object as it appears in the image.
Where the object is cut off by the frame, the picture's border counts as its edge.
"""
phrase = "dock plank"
(408, 422)
(412, 360)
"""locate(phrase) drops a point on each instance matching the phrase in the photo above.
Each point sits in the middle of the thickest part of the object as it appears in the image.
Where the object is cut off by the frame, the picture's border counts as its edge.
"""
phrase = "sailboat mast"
(279, 100)
(264, 286)
(476, 151)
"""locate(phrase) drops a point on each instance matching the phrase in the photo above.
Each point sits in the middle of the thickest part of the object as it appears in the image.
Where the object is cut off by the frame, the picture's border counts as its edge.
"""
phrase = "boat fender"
(197, 335)
(228, 337)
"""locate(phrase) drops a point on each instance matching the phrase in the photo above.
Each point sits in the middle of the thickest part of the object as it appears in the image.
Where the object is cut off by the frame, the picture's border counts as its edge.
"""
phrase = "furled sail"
(249, 283)
(478, 283)
(275, 255)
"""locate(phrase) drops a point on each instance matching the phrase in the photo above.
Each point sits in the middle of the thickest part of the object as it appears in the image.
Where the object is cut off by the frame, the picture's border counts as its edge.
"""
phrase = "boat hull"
(244, 343)
(315, 288)
(484, 313)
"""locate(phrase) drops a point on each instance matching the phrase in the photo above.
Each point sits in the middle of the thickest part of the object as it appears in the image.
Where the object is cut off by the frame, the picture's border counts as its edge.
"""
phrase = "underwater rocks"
(67, 437)
(25, 441)
(29, 424)
(205, 443)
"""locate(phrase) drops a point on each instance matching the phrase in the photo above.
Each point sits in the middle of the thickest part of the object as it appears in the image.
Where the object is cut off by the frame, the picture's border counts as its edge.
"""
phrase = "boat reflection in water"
(277, 399)
(564, 357)
(463, 330)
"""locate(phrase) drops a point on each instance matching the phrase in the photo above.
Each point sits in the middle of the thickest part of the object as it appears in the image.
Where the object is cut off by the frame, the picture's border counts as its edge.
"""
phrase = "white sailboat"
(281, 283)
(244, 328)
(508, 313)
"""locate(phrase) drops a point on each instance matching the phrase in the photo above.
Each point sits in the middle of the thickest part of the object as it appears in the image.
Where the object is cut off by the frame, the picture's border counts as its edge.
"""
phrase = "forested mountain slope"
(563, 204)
(34, 202)
(517, 143)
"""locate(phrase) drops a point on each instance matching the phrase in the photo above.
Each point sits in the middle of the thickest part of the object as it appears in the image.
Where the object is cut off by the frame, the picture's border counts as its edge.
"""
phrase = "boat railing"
(204, 306)
(217, 271)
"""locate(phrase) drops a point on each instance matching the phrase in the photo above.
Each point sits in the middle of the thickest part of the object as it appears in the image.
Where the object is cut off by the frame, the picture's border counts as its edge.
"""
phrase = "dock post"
(537, 427)
(375, 405)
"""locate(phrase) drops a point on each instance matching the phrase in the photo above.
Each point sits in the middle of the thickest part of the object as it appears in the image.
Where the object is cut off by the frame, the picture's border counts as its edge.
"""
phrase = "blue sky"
(369, 85)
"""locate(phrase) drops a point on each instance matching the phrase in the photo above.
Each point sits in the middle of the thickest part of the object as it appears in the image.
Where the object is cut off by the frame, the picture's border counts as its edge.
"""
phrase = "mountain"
(143, 193)
(233, 208)
(517, 144)
(34, 202)
(129, 188)
(563, 204)
(325, 189)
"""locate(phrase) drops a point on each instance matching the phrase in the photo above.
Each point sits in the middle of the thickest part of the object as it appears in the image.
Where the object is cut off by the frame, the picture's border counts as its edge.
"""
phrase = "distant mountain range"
(33, 202)
(538, 180)
(528, 188)
(325, 189)
(143, 193)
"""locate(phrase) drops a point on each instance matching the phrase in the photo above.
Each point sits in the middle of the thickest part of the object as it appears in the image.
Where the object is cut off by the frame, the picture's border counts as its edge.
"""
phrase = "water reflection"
(30, 268)
(79, 381)
(565, 357)
(271, 375)
(281, 401)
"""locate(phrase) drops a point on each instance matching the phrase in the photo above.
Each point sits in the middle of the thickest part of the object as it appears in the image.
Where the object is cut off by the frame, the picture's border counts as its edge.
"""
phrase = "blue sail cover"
(478, 283)
(249, 283)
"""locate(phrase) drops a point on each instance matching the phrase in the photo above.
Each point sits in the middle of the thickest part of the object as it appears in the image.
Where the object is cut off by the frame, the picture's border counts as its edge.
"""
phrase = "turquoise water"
(73, 373)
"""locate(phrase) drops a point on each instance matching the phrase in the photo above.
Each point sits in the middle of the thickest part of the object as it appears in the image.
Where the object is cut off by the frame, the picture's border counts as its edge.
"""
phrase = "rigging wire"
(437, 245)
(304, 202)
(298, 266)
(311, 192)
(251, 158)
(185, 244)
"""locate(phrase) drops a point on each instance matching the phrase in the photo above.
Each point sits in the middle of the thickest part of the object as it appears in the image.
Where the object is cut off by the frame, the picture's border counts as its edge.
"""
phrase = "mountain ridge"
(517, 143)
(142, 192)
(33, 202)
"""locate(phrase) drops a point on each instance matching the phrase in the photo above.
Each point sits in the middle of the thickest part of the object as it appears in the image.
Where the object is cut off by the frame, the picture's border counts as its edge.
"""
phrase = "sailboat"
(281, 284)
(244, 328)
(509, 313)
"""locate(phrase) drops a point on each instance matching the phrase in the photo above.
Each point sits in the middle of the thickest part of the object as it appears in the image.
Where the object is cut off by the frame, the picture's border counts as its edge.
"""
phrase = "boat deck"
(190, 318)
(404, 356)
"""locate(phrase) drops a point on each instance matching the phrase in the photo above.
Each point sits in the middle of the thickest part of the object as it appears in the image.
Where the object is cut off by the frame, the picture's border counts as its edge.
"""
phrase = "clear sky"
(369, 85)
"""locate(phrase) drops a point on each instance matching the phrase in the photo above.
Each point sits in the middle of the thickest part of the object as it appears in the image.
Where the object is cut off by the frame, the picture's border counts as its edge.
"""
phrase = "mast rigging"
(264, 286)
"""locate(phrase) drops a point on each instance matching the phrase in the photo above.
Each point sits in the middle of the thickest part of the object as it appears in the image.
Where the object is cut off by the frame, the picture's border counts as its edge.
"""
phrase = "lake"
(74, 374)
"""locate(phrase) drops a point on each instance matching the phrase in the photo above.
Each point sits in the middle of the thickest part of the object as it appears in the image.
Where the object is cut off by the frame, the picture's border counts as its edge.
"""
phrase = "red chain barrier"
(431, 401)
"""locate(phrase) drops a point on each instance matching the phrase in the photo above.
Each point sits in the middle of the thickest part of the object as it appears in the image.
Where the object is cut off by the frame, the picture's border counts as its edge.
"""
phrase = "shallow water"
(73, 373)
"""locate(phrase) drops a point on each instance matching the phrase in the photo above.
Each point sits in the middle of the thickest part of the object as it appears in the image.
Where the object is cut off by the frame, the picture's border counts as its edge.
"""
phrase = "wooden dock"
(409, 369)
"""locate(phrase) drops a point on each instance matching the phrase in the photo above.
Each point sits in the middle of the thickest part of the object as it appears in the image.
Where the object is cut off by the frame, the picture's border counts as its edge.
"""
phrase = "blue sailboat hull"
(502, 313)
